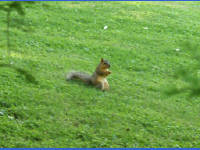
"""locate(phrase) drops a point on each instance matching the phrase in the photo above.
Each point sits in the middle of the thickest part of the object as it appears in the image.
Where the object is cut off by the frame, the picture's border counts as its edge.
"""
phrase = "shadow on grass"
(29, 78)
(79, 82)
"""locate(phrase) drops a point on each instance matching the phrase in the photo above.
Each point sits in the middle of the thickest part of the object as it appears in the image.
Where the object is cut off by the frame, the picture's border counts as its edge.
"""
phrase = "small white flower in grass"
(1, 113)
(105, 27)
(11, 62)
(177, 49)
(146, 28)
(10, 117)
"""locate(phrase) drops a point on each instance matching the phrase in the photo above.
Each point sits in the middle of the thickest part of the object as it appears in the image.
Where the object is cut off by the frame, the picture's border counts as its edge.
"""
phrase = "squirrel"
(97, 79)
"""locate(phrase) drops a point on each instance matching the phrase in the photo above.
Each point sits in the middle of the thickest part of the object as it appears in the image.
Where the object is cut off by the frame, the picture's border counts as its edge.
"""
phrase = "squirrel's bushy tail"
(79, 75)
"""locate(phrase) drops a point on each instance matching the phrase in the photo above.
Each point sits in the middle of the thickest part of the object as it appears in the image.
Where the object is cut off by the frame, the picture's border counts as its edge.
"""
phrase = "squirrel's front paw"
(108, 72)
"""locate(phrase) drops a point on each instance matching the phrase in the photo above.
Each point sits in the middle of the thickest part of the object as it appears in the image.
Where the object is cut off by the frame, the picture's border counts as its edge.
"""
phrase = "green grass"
(56, 37)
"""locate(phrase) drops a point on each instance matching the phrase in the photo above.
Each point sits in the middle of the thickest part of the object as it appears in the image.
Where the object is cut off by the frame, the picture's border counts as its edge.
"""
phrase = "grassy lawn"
(143, 42)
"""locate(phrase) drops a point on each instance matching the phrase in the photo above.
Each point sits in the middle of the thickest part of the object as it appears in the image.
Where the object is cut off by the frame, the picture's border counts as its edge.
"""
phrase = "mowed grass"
(141, 43)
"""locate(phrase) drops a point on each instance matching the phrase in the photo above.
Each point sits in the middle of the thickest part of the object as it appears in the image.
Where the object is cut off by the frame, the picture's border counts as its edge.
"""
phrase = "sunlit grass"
(143, 42)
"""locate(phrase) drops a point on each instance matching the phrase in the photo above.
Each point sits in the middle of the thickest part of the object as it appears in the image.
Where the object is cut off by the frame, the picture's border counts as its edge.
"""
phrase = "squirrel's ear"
(101, 59)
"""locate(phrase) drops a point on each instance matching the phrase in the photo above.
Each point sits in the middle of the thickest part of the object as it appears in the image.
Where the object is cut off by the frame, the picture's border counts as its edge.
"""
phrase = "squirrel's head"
(104, 64)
